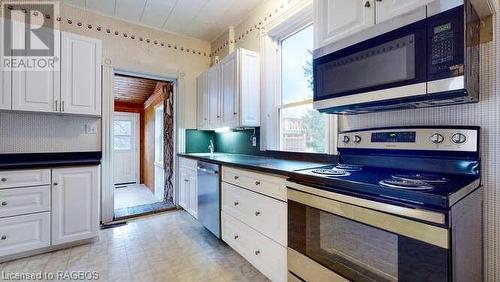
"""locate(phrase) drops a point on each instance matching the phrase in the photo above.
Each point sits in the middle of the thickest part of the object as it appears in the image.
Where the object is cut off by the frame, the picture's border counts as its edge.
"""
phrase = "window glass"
(122, 130)
(303, 129)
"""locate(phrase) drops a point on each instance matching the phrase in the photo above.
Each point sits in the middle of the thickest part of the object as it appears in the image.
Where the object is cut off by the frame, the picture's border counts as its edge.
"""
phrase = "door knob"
(257, 252)
(367, 4)
(257, 213)
(4, 204)
(4, 179)
(55, 183)
(236, 203)
(236, 237)
(4, 237)
(257, 182)
(236, 177)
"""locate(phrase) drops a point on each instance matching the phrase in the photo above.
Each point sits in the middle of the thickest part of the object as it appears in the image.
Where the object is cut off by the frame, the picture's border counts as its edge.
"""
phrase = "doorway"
(138, 145)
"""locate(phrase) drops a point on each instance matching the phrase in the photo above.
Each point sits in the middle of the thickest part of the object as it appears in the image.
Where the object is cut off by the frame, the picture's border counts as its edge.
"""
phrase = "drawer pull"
(4, 179)
(4, 204)
(4, 237)
(257, 182)
(236, 177)
(236, 237)
(236, 203)
(55, 183)
(257, 252)
(257, 213)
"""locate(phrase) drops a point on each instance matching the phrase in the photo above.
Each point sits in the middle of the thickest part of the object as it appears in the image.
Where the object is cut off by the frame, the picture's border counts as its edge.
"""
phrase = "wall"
(234, 142)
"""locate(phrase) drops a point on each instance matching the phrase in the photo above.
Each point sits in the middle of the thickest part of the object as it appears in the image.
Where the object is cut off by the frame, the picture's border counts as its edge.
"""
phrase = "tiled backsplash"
(235, 142)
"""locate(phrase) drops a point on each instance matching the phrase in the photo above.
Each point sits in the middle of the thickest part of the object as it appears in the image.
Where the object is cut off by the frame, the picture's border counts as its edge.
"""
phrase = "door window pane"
(296, 66)
(303, 129)
(122, 130)
(122, 127)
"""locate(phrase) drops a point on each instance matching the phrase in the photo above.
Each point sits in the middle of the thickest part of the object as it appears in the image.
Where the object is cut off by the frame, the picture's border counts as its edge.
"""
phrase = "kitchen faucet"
(211, 148)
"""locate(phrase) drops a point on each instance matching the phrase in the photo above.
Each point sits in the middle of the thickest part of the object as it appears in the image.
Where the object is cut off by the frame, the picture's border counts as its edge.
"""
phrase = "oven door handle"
(410, 228)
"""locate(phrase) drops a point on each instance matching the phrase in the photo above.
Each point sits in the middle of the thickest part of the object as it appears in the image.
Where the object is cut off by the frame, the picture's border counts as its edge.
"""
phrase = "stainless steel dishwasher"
(209, 196)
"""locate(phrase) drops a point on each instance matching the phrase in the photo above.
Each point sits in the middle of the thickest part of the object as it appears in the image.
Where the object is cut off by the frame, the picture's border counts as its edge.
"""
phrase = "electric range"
(402, 204)
(431, 167)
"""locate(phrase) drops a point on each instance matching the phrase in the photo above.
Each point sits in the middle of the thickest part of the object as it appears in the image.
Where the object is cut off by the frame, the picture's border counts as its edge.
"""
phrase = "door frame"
(177, 78)
(137, 144)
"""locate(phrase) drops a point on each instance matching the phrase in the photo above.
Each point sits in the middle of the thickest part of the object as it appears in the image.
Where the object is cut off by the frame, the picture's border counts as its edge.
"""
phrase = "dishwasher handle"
(207, 170)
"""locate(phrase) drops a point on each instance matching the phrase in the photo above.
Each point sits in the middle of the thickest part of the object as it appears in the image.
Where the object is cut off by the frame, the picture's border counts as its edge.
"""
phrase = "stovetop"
(434, 190)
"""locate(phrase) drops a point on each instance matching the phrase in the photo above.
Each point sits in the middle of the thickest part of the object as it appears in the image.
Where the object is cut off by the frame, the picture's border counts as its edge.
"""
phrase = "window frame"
(297, 18)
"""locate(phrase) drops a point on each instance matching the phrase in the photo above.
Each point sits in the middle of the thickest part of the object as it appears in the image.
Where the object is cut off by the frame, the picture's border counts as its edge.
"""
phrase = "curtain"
(168, 136)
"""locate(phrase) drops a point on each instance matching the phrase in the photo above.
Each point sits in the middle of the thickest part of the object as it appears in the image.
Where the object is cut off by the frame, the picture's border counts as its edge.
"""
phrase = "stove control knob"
(357, 139)
(437, 138)
(458, 138)
(346, 139)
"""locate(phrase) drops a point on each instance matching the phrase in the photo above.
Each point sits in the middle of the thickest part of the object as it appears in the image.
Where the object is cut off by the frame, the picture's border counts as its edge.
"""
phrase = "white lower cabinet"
(254, 219)
(24, 200)
(188, 186)
(24, 233)
(266, 255)
(75, 204)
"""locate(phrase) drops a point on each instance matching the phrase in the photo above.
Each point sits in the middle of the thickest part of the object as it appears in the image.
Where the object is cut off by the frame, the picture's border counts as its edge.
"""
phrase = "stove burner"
(406, 184)
(349, 167)
(330, 172)
(429, 178)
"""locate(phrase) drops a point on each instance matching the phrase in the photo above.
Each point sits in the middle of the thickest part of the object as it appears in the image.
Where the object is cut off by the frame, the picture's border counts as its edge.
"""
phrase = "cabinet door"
(75, 204)
(388, 9)
(213, 96)
(81, 75)
(229, 89)
(336, 19)
(202, 94)
(193, 193)
(183, 188)
(250, 88)
(38, 91)
(5, 89)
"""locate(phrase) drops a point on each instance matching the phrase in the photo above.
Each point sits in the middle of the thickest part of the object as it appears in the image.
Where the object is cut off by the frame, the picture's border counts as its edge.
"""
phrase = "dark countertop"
(44, 160)
(260, 163)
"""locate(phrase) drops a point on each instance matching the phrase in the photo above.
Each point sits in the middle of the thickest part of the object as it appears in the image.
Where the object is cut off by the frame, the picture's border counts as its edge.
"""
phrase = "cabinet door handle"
(62, 105)
(55, 183)
(236, 203)
(4, 179)
(257, 183)
(257, 213)
(4, 204)
(235, 113)
(236, 237)
(257, 252)
(367, 4)
(56, 105)
(4, 237)
(236, 177)
(378, 0)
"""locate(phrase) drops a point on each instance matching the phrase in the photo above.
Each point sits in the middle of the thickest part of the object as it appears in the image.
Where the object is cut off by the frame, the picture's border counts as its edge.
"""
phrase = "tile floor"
(171, 246)
(133, 195)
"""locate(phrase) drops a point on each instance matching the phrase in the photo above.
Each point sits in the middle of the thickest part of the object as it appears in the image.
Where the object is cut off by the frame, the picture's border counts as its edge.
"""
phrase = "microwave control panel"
(442, 46)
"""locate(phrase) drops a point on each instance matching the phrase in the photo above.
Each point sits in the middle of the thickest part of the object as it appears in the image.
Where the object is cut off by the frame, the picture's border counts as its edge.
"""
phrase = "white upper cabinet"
(229, 87)
(75, 203)
(388, 9)
(38, 90)
(5, 94)
(213, 82)
(336, 19)
(233, 87)
(202, 98)
(80, 75)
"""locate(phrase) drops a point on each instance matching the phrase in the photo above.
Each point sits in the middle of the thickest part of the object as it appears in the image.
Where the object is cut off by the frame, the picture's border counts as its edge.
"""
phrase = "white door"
(5, 90)
(193, 193)
(126, 148)
(388, 9)
(202, 102)
(336, 19)
(250, 88)
(75, 203)
(213, 96)
(81, 75)
(229, 89)
(38, 91)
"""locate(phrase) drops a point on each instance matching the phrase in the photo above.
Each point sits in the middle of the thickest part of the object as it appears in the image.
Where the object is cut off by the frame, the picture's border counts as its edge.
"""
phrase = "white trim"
(177, 77)
(137, 143)
(372, 96)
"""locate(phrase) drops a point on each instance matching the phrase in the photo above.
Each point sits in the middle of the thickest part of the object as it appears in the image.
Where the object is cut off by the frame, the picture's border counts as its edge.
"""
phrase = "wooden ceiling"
(134, 90)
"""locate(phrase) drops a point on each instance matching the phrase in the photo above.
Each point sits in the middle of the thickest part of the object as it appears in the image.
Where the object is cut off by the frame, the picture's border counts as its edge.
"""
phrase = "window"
(159, 134)
(302, 129)
(122, 135)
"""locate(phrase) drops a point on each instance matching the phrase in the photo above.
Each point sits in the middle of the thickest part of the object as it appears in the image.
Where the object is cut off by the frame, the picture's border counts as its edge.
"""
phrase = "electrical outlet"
(91, 128)
(254, 141)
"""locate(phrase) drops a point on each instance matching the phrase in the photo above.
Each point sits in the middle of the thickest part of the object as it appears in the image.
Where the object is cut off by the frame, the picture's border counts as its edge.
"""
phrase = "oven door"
(386, 67)
(328, 237)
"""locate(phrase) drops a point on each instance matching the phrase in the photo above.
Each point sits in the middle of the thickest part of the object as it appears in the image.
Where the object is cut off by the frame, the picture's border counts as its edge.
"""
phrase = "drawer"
(263, 253)
(23, 178)
(267, 184)
(265, 214)
(188, 163)
(18, 201)
(24, 233)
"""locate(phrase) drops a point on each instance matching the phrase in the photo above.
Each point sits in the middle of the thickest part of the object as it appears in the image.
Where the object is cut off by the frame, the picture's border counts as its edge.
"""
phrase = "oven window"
(360, 252)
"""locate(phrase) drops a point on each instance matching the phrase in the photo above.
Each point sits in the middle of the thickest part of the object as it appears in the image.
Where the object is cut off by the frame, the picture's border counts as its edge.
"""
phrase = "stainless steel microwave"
(428, 57)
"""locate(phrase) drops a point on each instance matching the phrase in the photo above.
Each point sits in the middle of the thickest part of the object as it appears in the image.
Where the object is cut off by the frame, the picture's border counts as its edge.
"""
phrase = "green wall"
(235, 142)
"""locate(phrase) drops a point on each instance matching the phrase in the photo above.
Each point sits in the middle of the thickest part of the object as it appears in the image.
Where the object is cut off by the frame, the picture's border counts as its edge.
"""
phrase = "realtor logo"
(30, 36)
